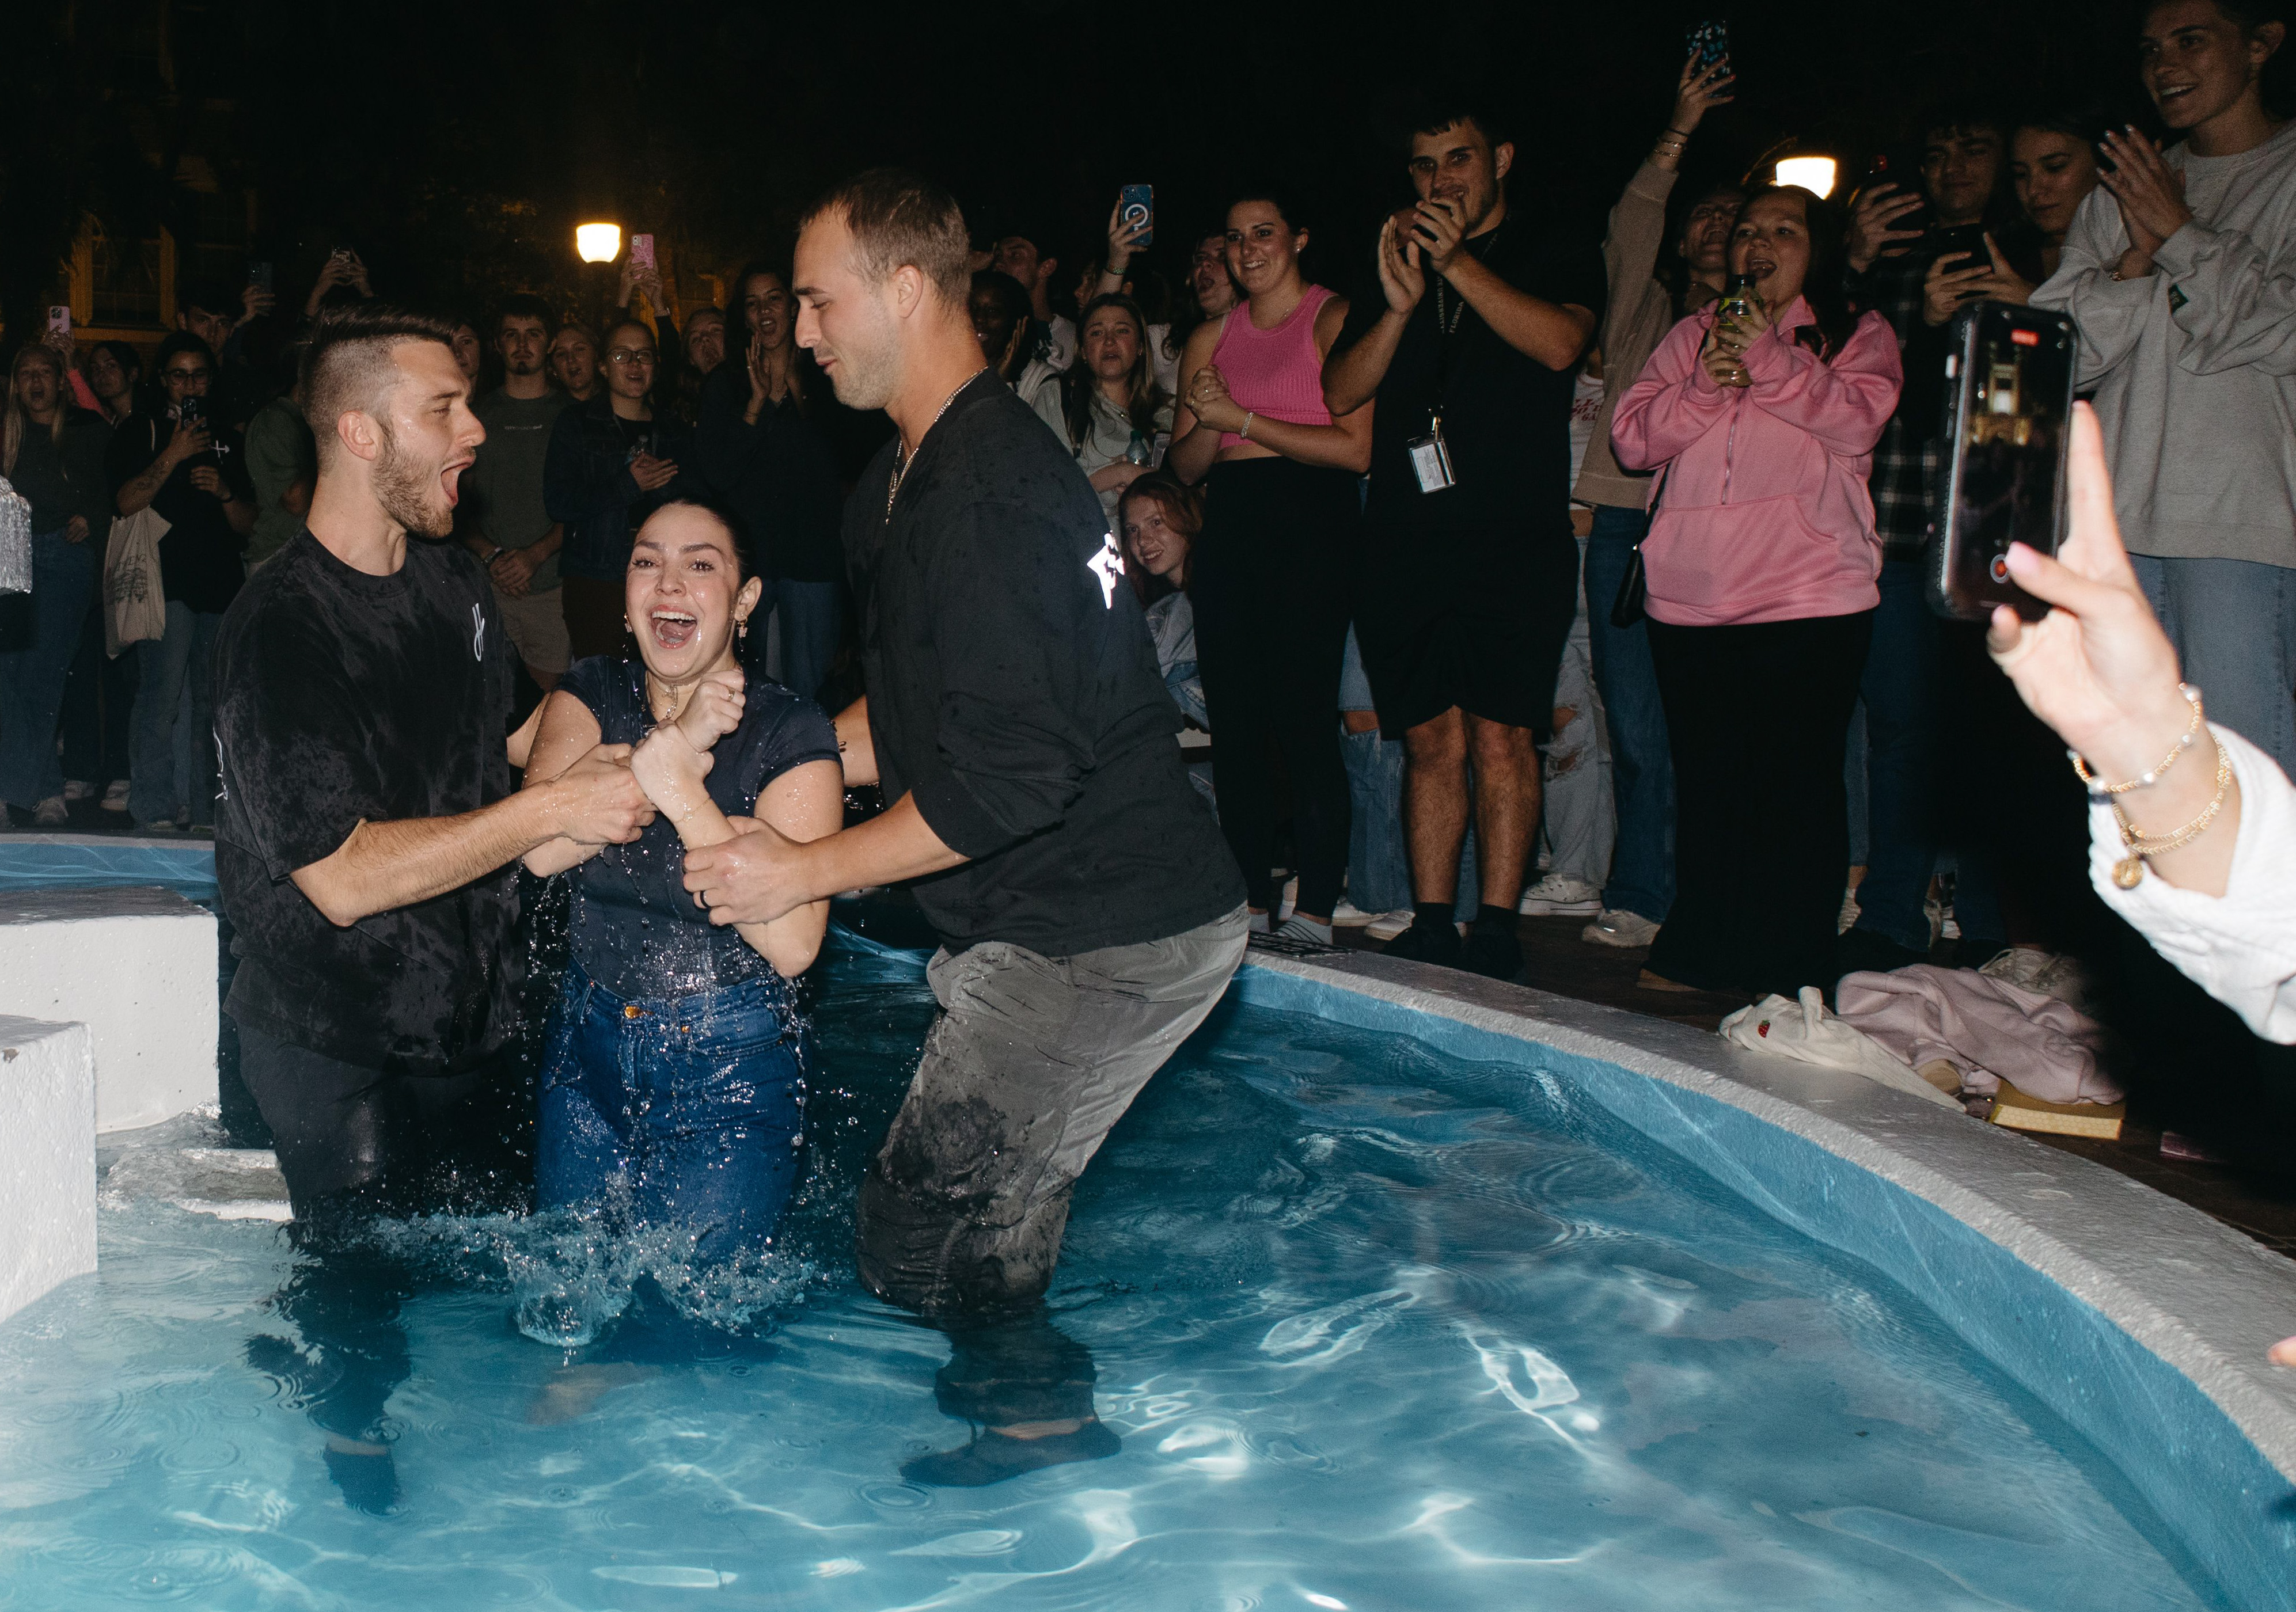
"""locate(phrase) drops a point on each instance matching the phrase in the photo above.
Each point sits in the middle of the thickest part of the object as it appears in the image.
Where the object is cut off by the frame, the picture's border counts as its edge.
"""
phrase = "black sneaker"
(1435, 943)
(1492, 950)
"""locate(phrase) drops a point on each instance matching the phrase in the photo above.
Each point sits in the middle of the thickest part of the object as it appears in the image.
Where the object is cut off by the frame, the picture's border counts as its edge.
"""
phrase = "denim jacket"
(586, 484)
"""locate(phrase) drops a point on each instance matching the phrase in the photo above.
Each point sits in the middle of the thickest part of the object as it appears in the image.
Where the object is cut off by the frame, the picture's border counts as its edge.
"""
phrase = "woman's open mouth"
(675, 629)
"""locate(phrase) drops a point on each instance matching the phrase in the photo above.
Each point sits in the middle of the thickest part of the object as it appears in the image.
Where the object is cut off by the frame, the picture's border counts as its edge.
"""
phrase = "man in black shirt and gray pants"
(1089, 913)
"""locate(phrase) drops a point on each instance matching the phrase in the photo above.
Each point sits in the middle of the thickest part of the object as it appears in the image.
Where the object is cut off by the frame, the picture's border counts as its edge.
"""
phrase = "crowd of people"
(1383, 531)
(1532, 574)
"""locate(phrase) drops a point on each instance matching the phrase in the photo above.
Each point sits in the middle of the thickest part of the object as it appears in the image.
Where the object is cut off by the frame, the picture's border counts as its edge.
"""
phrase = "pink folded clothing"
(1988, 1030)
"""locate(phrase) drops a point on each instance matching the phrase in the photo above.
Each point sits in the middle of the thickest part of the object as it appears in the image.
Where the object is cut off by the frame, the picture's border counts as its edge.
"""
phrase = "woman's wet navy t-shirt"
(636, 930)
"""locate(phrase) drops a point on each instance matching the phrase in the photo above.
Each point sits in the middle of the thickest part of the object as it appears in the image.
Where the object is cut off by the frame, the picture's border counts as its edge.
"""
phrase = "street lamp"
(598, 242)
(1815, 175)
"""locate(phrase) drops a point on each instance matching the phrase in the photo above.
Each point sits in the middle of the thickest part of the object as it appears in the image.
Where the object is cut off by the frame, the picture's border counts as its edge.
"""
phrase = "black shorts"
(1474, 619)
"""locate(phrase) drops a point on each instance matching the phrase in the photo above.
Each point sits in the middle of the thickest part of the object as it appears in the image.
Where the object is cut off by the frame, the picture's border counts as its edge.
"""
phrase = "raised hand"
(1436, 229)
(1699, 91)
(1870, 235)
(2150, 193)
(1400, 275)
(1124, 239)
(2097, 668)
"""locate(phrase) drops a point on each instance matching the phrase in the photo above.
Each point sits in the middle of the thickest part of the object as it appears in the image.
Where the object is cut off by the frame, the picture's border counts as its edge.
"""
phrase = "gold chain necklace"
(901, 454)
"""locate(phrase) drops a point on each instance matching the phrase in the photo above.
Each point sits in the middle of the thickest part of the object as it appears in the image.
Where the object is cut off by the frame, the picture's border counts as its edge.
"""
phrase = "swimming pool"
(1381, 1323)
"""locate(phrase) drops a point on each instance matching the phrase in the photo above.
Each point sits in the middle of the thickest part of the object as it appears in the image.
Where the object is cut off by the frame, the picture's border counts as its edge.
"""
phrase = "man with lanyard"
(1089, 914)
(1470, 570)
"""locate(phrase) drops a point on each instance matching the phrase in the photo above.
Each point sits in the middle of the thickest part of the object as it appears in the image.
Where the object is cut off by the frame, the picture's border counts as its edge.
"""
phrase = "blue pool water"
(1380, 1328)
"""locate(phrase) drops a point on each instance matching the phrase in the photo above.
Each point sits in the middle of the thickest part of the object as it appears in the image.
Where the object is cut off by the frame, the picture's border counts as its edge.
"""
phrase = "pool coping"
(2185, 1289)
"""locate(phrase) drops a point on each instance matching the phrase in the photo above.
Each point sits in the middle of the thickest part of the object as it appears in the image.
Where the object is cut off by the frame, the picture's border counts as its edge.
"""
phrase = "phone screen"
(1137, 205)
(2008, 481)
(1709, 41)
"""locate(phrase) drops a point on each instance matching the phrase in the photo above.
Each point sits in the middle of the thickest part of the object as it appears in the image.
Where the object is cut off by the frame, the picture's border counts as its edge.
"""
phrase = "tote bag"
(135, 609)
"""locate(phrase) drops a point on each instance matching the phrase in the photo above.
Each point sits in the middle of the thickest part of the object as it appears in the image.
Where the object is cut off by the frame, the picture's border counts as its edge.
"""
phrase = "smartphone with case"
(59, 319)
(2008, 418)
(642, 252)
(1709, 42)
(1137, 204)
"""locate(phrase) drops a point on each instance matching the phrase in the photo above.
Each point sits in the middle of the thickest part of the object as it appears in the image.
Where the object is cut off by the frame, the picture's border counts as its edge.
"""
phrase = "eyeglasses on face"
(627, 355)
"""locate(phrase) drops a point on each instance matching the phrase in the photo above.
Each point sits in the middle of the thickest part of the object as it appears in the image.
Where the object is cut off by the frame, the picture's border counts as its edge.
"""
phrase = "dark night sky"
(456, 144)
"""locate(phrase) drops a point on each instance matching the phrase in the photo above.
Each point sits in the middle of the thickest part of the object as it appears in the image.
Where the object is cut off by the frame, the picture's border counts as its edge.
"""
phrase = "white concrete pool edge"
(2196, 1294)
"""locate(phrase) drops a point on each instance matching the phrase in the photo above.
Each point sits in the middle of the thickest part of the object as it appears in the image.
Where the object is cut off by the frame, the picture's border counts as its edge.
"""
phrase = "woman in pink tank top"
(1269, 576)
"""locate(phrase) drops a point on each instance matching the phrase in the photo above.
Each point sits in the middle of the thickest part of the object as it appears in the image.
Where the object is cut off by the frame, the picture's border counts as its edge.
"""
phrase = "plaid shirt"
(1902, 461)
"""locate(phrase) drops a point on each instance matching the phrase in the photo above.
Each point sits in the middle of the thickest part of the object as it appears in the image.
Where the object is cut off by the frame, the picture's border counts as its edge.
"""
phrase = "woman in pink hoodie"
(1761, 562)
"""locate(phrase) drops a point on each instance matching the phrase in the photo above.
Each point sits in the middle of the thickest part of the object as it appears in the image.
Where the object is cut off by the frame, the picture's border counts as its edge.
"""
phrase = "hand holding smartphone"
(1135, 207)
(2009, 401)
(1709, 42)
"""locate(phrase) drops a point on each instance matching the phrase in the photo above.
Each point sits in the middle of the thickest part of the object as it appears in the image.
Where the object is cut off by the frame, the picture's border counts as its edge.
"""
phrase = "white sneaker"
(1387, 926)
(1346, 915)
(77, 788)
(52, 812)
(115, 796)
(1560, 895)
(1849, 912)
(1616, 926)
(1291, 900)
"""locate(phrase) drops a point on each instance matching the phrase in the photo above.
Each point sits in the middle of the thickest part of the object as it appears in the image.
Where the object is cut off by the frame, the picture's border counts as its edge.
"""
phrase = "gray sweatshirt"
(2194, 365)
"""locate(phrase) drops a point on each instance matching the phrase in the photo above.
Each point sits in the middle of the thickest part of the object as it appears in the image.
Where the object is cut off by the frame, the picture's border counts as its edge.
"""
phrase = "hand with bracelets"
(2099, 670)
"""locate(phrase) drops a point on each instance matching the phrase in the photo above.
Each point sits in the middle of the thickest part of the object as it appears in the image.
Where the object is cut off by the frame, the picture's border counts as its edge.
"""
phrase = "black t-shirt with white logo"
(344, 698)
(1013, 693)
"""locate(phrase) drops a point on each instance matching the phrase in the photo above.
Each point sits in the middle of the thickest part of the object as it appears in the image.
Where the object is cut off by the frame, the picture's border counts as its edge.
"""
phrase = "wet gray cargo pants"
(1030, 1064)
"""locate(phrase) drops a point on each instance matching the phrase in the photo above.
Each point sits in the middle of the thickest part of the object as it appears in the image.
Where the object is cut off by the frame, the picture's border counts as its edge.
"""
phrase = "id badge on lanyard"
(1431, 455)
(1431, 459)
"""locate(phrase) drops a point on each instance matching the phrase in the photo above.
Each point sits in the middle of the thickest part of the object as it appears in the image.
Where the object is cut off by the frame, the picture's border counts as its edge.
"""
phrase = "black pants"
(1758, 717)
(97, 697)
(1269, 584)
(355, 1141)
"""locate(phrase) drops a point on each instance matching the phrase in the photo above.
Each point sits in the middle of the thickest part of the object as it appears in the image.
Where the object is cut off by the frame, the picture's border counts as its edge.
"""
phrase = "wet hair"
(743, 567)
(525, 304)
(1079, 384)
(349, 365)
(899, 219)
(1824, 287)
(1184, 512)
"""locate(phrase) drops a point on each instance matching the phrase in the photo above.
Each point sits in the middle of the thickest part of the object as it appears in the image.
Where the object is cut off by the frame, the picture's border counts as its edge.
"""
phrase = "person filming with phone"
(1471, 572)
(1761, 568)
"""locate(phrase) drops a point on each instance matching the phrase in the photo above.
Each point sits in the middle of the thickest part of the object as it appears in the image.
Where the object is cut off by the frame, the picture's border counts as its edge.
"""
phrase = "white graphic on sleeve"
(1107, 565)
(478, 632)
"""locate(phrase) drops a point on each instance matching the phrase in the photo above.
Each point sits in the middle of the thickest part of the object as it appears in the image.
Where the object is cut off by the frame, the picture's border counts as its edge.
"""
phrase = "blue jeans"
(157, 789)
(810, 619)
(35, 655)
(1379, 867)
(1900, 693)
(2234, 624)
(697, 1103)
(1642, 769)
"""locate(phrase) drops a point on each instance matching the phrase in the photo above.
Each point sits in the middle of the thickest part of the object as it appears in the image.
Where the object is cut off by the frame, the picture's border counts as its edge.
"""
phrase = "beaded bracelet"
(2106, 791)
(2128, 872)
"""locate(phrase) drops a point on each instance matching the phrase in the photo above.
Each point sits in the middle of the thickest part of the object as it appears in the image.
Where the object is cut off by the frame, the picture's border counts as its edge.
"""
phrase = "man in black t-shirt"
(369, 816)
(1471, 571)
(1089, 913)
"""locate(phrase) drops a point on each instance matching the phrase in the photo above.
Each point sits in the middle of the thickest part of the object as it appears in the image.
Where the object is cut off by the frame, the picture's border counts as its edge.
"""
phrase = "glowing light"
(602, 242)
(1815, 175)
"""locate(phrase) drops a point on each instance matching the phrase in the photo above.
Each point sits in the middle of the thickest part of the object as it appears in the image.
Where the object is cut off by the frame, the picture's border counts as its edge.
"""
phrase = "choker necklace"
(901, 454)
